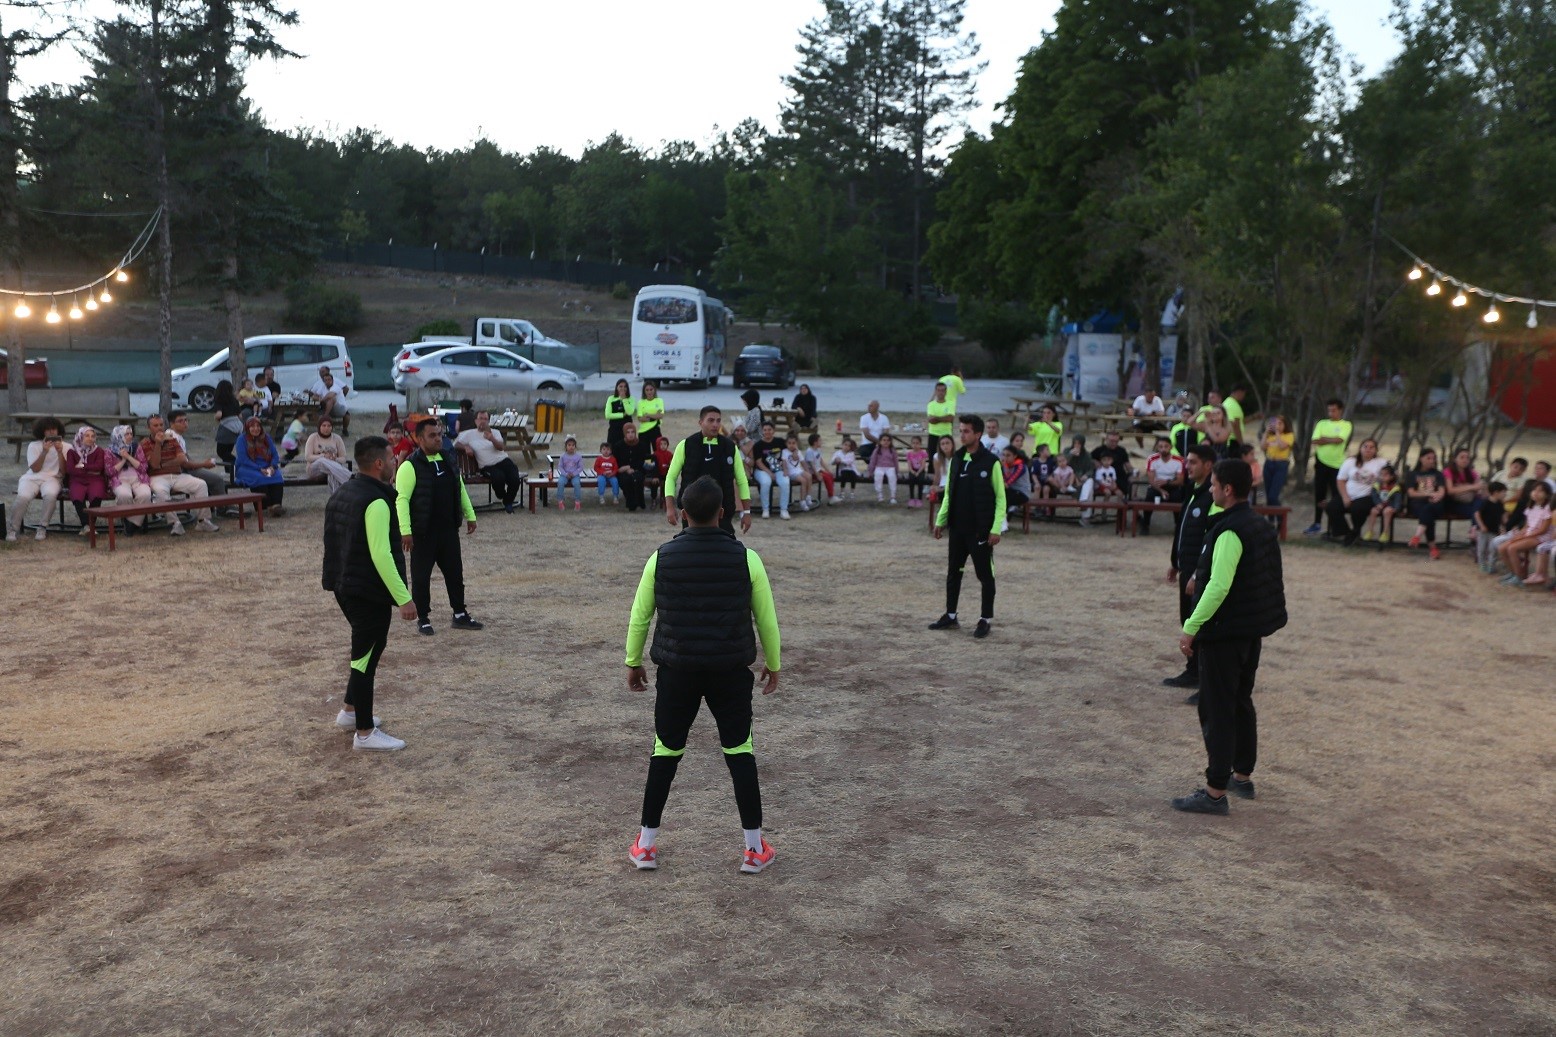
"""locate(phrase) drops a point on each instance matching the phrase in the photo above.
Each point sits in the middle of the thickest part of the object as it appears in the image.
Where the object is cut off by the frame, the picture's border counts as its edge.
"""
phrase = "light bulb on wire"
(120, 276)
(1492, 315)
(1461, 299)
(1435, 288)
(91, 301)
(106, 296)
(75, 308)
(23, 311)
(53, 315)
(1415, 273)
(1534, 320)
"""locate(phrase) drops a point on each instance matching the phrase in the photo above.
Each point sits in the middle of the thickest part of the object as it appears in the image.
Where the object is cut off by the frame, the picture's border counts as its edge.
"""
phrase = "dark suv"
(768, 364)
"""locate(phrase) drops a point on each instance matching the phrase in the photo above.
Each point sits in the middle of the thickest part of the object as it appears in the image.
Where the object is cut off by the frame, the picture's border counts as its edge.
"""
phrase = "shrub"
(323, 307)
(619, 290)
(438, 327)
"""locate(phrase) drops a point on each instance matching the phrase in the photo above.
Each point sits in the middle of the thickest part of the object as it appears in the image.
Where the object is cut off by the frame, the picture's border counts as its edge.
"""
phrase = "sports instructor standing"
(1193, 518)
(706, 452)
(973, 510)
(1240, 600)
(431, 504)
(363, 567)
(706, 587)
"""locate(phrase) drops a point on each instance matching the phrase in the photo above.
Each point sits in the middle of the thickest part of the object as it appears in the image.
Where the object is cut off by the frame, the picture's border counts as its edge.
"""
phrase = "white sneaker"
(892, 501)
(805, 504)
(765, 514)
(41, 534)
(10, 536)
(784, 514)
(177, 530)
(207, 526)
(376, 742)
(880, 499)
(344, 719)
(832, 499)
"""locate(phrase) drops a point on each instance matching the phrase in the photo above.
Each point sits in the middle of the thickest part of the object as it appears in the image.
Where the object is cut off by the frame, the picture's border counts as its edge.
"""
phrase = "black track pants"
(437, 546)
(369, 635)
(679, 695)
(982, 553)
(1226, 714)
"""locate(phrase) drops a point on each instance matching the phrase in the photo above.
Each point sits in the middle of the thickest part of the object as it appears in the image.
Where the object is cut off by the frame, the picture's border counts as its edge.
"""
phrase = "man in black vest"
(706, 452)
(706, 587)
(364, 568)
(1186, 545)
(432, 500)
(1240, 599)
(973, 509)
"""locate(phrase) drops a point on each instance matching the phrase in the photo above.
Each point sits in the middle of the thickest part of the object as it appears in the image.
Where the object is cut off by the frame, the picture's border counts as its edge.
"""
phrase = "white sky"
(527, 74)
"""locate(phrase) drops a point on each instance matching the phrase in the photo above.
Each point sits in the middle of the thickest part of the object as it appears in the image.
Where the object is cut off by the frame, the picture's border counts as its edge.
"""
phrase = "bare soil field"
(973, 837)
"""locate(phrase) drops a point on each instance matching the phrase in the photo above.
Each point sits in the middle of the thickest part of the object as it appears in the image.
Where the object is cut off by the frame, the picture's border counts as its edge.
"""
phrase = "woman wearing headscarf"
(753, 420)
(86, 467)
(805, 403)
(257, 465)
(127, 478)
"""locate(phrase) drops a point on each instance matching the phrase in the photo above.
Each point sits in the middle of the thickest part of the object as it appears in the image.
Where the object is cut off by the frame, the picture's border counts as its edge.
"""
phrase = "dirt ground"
(973, 837)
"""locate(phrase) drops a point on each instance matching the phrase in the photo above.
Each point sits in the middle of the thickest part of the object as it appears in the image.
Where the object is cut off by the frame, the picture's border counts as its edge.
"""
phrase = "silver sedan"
(483, 369)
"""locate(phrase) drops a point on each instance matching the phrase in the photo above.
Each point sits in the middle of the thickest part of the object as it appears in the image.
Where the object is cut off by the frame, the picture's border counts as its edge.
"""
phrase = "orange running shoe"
(1415, 541)
(757, 860)
(645, 859)
(1436, 554)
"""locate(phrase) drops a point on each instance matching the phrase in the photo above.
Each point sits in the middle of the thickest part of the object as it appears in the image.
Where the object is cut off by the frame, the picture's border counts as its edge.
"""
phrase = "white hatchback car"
(296, 358)
(484, 369)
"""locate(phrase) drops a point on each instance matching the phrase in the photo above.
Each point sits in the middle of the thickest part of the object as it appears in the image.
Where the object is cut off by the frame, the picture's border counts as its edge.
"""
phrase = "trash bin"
(550, 415)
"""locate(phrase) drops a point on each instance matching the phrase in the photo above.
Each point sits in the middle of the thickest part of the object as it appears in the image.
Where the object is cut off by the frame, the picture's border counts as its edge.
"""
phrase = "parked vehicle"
(503, 332)
(769, 364)
(410, 352)
(296, 358)
(678, 334)
(35, 372)
(484, 369)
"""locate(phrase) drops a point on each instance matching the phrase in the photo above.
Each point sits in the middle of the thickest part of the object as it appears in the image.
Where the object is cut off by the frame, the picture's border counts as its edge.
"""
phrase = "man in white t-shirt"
(1150, 412)
(485, 445)
(330, 394)
(872, 426)
(993, 442)
(1164, 473)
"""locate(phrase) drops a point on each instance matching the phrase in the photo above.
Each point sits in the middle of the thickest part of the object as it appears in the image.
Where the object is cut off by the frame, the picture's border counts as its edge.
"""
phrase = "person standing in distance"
(1193, 518)
(706, 452)
(954, 386)
(432, 500)
(364, 568)
(706, 588)
(1330, 438)
(972, 510)
(1240, 600)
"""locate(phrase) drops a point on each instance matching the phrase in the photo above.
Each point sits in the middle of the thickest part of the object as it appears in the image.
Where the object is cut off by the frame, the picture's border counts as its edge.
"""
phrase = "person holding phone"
(972, 510)
(1278, 442)
(43, 477)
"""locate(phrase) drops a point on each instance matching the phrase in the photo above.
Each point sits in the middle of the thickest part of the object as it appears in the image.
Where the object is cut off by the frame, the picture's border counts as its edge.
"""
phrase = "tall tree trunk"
(232, 302)
(1362, 358)
(151, 82)
(10, 231)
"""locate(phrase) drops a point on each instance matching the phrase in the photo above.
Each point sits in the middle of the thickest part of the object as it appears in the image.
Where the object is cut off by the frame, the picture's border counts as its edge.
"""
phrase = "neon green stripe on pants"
(360, 665)
(743, 747)
(661, 749)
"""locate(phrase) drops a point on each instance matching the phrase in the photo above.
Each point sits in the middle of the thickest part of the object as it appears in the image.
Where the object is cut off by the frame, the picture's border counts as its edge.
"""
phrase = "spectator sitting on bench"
(229, 420)
(1387, 499)
(872, 426)
(569, 471)
(325, 454)
(605, 468)
(1039, 473)
(793, 461)
(264, 397)
(401, 444)
(843, 470)
(821, 475)
(1488, 526)
(1063, 480)
(127, 476)
(88, 464)
(1149, 411)
(1017, 481)
(43, 477)
(882, 466)
(248, 399)
(635, 463)
(1164, 474)
(767, 453)
(1248, 454)
(292, 441)
(485, 445)
(1110, 453)
(331, 397)
(1513, 477)
(1537, 523)
(1104, 480)
(208, 471)
(257, 465)
(1464, 486)
(165, 469)
(992, 440)
(918, 471)
(1424, 489)
(1542, 472)
(1350, 505)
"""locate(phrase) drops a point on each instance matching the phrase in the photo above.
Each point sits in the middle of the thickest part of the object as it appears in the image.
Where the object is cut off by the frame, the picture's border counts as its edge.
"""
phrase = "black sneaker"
(464, 621)
(1192, 700)
(1241, 789)
(945, 622)
(1201, 802)
(424, 626)
(982, 629)
(1182, 680)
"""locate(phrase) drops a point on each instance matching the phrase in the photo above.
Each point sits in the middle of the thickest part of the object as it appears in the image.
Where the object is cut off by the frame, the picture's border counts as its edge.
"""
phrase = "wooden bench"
(1137, 508)
(543, 484)
(1118, 508)
(224, 500)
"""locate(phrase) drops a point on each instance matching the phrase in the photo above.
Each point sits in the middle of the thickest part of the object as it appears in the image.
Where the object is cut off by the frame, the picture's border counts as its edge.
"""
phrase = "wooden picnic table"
(785, 419)
(103, 423)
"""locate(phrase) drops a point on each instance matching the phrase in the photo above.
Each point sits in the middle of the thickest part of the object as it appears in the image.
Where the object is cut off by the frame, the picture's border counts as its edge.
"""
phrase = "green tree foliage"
(327, 309)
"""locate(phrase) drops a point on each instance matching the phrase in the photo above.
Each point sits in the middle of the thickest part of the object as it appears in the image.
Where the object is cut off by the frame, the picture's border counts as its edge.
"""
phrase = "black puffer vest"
(1193, 520)
(972, 494)
(702, 592)
(348, 561)
(1256, 604)
(717, 459)
(435, 498)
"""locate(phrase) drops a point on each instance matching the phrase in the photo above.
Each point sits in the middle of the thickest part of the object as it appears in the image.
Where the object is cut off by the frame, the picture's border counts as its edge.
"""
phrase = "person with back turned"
(707, 452)
(364, 567)
(706, 588)
(973, 510)
(1239, 600)
(432, 501)
(1189, 538)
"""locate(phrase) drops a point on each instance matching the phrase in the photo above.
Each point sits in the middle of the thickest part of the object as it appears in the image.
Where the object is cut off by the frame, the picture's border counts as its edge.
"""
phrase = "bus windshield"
(667, 309)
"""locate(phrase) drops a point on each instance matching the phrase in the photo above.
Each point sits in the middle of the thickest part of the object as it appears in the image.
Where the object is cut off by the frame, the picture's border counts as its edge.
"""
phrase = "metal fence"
(436, 260)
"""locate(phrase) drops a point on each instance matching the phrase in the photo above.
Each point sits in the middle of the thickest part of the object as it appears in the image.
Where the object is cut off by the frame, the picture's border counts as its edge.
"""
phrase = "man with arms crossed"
(1240, 599)
(706, 452)
(973, 509)
(706, 588)
(364, 567)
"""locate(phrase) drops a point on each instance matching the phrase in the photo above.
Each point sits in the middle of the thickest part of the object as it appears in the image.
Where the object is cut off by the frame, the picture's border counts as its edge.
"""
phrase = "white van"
(678, 334)
(296, 358)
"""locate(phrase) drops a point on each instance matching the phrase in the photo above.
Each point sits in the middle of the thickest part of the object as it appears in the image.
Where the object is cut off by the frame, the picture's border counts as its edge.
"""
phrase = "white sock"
(987, 619)
(646, 837)
(753, 839)
(950, 615)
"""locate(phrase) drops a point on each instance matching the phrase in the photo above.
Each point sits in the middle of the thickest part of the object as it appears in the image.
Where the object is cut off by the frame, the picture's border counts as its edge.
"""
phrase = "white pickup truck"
(506, 332)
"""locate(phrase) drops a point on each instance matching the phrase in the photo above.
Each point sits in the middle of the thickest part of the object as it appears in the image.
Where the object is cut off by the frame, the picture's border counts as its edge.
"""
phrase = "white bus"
(678, 335)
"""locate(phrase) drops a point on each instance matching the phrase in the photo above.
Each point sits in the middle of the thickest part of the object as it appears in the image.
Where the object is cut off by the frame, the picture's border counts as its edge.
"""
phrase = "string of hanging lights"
(96, 291)
(1438, 280)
